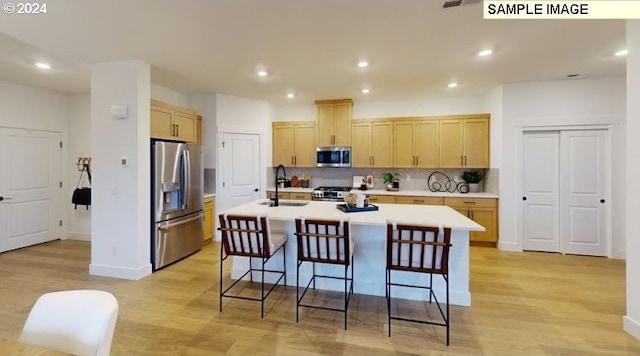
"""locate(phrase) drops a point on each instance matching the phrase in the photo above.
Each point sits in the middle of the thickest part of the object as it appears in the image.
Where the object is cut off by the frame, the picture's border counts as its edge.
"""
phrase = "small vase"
(474, 187)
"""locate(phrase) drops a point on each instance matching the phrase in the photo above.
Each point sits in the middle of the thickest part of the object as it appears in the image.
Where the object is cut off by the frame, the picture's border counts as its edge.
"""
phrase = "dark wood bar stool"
(419, 249)
(326, 242)
(250, 236)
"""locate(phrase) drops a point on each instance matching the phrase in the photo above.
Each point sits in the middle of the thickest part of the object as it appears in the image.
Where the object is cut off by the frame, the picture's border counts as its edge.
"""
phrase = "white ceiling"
(311, 47)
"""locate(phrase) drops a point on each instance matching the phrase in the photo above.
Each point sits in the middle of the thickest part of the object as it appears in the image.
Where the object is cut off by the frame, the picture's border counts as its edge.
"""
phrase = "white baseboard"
(631, 326)
(620, 254)
(78, 236)
(120, 272)
(509, 246)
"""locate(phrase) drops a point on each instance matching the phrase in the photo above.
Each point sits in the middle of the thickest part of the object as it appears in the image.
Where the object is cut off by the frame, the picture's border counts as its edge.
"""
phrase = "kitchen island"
(368, 230)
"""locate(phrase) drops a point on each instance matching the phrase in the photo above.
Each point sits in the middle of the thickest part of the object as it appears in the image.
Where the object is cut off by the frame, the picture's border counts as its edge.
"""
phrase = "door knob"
(602, 201)
(255, 190)
(524, 198)
(3, 198)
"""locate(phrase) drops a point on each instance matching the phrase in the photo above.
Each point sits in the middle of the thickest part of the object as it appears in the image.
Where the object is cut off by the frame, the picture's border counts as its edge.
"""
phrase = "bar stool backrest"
(322, 240)
(245, 235)
(418, 248)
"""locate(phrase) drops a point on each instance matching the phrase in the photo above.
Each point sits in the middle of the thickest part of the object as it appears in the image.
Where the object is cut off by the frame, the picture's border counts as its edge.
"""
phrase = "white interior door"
(541, 191)
(583, 206)
(240, 169)
(30, 184)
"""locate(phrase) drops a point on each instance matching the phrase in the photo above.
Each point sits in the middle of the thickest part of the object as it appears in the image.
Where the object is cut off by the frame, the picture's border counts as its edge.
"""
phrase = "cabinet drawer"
(419, 200)
(300, 196)
(281, 195)
(472, 202)
(383, 199)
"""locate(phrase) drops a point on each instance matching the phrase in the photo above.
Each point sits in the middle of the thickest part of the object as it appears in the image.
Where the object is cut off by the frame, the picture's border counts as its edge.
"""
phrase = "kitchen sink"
(286, 203)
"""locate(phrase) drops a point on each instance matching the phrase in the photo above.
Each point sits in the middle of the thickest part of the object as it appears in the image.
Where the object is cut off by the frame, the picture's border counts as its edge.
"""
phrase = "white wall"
(547, 104)
(391, 108)
(631, 322)
(28, 107)
(120, 230)
(205, 105)
(169, 96)
(247, 116)
(79, 145)
(492, 103)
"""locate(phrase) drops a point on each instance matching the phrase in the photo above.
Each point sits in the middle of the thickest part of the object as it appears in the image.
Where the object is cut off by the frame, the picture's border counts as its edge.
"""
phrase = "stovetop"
(333, 189)
(329, 193)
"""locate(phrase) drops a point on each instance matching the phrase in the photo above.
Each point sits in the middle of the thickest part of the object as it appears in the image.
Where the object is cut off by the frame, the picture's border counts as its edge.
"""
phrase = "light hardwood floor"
(522, 304)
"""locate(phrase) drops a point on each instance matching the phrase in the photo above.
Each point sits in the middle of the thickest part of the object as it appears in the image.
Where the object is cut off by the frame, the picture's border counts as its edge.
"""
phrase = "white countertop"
(209, 195)
(420, 193)
(414, 214)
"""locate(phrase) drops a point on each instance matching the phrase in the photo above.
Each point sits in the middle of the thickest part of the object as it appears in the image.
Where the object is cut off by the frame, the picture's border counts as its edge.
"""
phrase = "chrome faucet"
(284, 173)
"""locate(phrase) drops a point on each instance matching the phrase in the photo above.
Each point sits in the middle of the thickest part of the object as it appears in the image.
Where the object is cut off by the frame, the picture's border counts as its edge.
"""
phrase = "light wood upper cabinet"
(171, 122)
(294, 144)
(333, 122)
(415, 144)
(464, 143)
(372, 144)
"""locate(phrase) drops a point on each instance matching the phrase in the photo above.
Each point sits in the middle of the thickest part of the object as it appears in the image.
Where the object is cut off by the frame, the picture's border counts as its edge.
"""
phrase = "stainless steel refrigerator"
(176, 202)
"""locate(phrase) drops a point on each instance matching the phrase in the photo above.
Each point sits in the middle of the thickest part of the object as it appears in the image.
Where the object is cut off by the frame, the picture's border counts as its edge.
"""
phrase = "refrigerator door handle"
(170, 225)
(186, 178)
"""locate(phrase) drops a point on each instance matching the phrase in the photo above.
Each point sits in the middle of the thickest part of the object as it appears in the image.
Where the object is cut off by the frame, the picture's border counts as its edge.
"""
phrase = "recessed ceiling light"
(291, 95)
(452, 85)
(262, 73)
(485, 53)
(43, 65)
(365, 91)
(622, 52)
(363, 64)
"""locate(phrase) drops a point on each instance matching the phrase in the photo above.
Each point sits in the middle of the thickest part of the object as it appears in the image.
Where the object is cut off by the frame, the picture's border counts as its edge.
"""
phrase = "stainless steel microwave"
(333, 156)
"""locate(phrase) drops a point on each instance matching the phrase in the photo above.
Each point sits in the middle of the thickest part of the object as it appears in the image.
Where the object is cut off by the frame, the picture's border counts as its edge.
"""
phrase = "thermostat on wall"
(119, 112)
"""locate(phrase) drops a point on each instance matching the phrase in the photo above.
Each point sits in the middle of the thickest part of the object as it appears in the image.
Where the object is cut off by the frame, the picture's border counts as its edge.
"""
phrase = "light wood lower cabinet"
(290, 195)
(209, 220)
(484, 211)
(300, 196)
(382, 199)
(418, 200)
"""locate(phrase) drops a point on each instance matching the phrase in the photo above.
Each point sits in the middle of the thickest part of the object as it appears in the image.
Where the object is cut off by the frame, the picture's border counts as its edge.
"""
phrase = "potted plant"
(473, 178)
(391, 180)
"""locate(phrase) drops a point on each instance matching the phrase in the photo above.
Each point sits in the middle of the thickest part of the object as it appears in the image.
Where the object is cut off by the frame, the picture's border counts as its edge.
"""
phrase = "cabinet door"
(342, 124)
(161, 123)
(383, 199)
(426, 144)
(476, 143)
(185, 127)
(361, 147)
(418, 200)
(305, 145)
(300, 196)
(324, 125)
(382, 144)
(403, 155)
(486, 217)
(283, 144)
(208, 218)
(450, 143)
(281, 195)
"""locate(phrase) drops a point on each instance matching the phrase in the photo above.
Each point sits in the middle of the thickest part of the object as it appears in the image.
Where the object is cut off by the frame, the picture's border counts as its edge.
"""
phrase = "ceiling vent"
(456, 3)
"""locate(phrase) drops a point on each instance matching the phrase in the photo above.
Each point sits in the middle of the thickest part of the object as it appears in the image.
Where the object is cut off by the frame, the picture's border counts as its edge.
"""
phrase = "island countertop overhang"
(435, 215)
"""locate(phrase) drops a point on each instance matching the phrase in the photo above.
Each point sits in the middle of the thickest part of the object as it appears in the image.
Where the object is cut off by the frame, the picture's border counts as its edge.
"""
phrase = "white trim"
(560, 122)
(509, 246)
(78, 236)
(120, 272)
(631, 326)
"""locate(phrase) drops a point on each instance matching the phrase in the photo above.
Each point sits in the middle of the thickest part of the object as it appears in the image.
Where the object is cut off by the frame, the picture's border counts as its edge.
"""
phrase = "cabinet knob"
(524, 198)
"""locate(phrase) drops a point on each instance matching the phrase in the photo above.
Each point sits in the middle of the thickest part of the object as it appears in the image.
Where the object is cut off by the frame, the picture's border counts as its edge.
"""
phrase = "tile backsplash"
(209, 178)
(410, 178)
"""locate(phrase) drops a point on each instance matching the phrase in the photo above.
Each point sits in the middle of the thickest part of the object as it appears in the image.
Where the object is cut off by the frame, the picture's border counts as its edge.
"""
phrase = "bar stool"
(418, 249)
(250, 236)
(325, 242)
